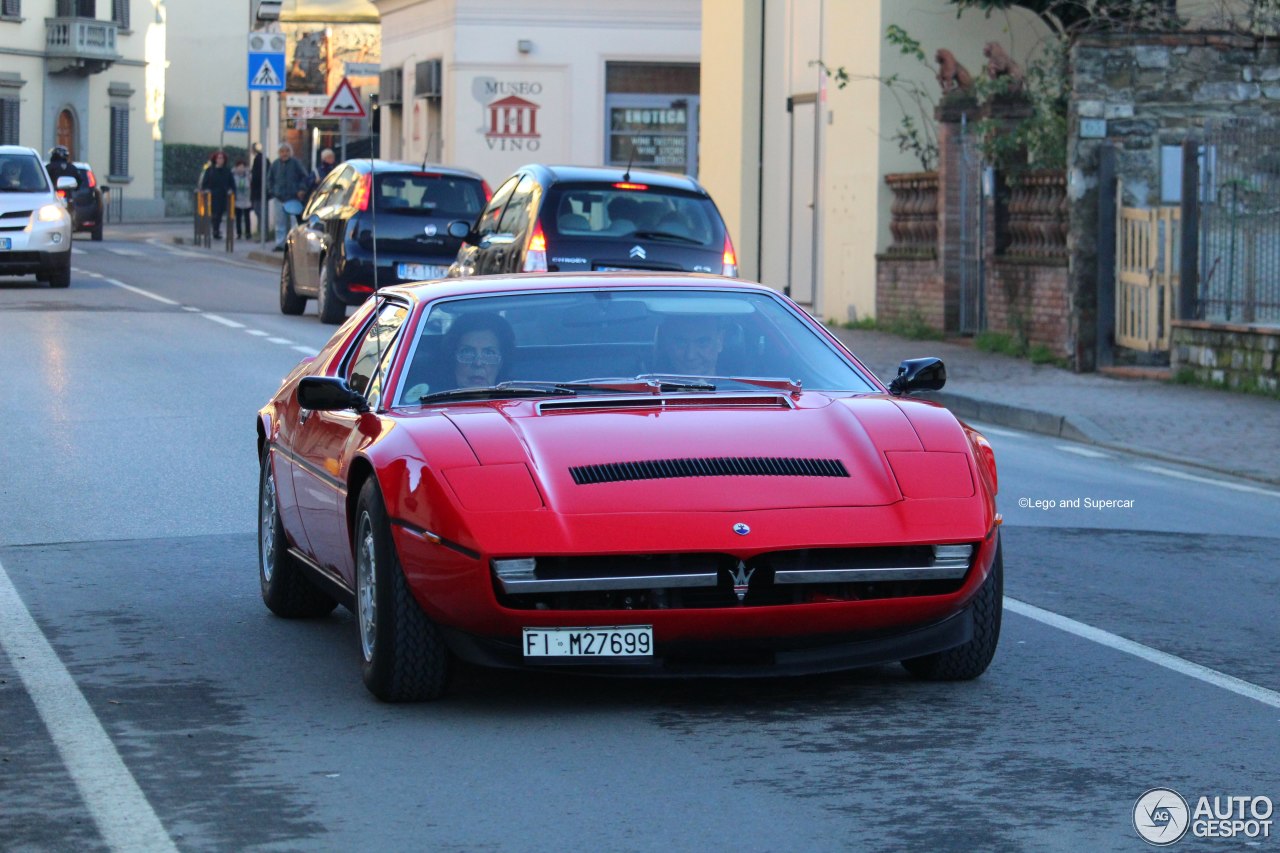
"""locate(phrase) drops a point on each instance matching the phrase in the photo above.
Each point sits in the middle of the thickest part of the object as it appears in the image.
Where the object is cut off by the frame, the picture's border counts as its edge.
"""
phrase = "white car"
(35, 228)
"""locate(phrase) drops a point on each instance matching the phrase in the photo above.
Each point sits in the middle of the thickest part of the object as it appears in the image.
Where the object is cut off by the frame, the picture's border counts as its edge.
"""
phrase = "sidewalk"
(1220, 430)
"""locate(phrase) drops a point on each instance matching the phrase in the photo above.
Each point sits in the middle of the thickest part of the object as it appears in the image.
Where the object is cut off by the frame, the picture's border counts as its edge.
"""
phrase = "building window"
(77, 9)
(651, 116)
(8, 120)
(119, 165)
(10, 8)
(120, 13)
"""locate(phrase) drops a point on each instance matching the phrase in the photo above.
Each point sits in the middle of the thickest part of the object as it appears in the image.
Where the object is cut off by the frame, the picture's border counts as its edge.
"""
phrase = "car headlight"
(51, 213)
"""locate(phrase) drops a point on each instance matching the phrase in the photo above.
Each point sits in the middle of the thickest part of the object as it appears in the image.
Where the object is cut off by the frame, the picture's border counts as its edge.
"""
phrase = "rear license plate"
(420, 272)
(615, 269)
(630, 641)
(6, 243)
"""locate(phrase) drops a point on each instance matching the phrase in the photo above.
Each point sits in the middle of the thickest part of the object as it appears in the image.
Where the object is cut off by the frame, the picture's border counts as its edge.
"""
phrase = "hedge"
(183, 162)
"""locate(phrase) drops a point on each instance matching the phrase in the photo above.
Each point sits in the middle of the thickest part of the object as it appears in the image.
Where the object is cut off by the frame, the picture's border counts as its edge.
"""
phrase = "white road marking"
(1181, 475)
(305, 350)
(138, 290)
(193, 309)
(256, 333)
(1159, 658)
(75, 251)
(230, 324)
(128, 253)
(121, 812)
(159, 244)
(1083, 451)
(280, 341)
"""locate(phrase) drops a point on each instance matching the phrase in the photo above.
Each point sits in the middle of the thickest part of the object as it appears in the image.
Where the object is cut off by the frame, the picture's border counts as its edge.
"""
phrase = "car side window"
(516, 218)
(492, 214)
(330, 190)
(372, 350)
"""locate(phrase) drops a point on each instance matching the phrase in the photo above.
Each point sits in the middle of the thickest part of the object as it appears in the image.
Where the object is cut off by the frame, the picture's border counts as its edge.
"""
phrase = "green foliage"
(182, 162)
(1040, 140)
(1068, 17)
(912, 325)
(1001, 342)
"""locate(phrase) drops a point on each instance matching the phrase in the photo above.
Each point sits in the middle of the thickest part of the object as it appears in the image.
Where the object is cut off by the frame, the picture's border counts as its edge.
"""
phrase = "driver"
(689, 345)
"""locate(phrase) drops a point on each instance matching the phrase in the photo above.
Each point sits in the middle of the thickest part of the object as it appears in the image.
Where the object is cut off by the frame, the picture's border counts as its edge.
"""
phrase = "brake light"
(360, 195)
(730, 258)
(93, 182)
(359, 288)
(627, 185)
(535, 259)
(62, 193)
(488, 193)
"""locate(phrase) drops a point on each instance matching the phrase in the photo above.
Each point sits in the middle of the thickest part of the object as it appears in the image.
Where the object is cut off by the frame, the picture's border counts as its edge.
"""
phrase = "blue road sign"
(235, 119)
(266, 72)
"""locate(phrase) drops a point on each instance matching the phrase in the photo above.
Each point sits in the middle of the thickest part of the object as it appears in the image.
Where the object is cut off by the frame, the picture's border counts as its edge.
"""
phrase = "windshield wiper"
(667, 235)
(514, 388)
(648, 383)
(707, 383)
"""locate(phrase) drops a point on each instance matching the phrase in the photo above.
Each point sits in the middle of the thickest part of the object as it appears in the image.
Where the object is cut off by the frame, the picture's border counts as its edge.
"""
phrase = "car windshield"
(22, 173)
(604, 211)
(430, 193)
(618, 341)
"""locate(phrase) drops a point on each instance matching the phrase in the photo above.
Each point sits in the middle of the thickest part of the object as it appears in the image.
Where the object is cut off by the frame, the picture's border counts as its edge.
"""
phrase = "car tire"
(405, 657)
(968, 661)
(290, 301)
(286, 590)
(60, 275)
(332, 310)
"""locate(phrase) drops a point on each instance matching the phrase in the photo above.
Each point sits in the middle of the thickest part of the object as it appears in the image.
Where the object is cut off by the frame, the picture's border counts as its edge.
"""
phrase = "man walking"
(287, 185)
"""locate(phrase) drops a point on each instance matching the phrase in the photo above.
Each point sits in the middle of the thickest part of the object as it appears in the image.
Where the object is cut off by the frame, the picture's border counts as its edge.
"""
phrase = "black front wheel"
(968, 661)
(290, 301)
(332, 310)
(405, 657)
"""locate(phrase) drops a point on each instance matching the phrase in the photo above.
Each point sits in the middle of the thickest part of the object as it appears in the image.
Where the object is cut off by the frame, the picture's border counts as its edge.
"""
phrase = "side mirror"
(461, 230)
(329, 394)
(67, 183)
(919, 374)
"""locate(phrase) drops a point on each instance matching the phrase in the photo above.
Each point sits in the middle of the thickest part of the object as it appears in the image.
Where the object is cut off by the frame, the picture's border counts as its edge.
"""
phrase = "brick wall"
(1030, 301)
(910, 288)
(1236, 356)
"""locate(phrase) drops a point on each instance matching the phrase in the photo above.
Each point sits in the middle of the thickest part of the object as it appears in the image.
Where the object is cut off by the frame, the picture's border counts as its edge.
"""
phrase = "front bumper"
(39, 248)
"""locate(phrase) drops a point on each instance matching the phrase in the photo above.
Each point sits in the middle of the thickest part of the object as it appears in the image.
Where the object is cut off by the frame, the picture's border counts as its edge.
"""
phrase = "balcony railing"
(82, 45)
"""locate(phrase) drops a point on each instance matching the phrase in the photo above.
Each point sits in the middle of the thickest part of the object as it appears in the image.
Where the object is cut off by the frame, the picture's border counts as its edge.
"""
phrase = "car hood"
(685, 454)
(17, 201)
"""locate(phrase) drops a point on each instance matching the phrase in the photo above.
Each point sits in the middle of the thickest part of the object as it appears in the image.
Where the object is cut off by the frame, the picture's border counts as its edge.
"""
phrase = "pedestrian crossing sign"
(235, 119)
(266, 72)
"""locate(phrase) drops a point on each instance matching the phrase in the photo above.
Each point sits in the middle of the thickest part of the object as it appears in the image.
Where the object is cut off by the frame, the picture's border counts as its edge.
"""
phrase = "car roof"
(490, 284)
(362, 164)
(80, 165)
(613, 174)
(19, 149)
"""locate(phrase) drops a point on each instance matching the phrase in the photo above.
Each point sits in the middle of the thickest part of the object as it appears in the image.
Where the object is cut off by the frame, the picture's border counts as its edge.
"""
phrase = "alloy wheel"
(367, 587)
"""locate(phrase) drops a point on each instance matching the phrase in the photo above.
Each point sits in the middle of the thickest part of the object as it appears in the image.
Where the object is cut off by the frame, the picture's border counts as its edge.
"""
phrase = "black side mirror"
(329, 394)
(919, 374)
(461, 229)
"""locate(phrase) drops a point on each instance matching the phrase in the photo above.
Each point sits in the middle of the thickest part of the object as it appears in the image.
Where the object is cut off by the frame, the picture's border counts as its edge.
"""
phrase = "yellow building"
(797, 164)
(88, 74)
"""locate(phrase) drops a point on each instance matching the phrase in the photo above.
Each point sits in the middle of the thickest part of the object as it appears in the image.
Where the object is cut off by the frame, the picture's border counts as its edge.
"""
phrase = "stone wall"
(1142, 92)
(1236, 356)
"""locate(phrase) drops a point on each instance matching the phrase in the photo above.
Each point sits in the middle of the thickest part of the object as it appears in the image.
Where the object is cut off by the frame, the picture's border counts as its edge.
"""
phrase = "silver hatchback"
(35, 227)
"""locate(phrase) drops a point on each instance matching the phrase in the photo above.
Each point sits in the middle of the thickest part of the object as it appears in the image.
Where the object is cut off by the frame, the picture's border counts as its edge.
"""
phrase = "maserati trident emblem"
(637, 252)
(430, 230)
(741, 577)
(741, 529)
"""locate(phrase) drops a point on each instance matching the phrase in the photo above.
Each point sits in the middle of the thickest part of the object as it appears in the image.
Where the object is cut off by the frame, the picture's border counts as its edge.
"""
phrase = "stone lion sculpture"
(952, 76)
(1000, 64)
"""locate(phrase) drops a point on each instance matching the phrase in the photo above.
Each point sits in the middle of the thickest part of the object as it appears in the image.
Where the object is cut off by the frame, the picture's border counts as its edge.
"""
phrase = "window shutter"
(120, 13)
(11, 8)
(119, 141)
(8, 121)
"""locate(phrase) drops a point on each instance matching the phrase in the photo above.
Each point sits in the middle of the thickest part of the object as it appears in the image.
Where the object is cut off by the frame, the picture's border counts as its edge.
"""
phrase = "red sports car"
(628, 474)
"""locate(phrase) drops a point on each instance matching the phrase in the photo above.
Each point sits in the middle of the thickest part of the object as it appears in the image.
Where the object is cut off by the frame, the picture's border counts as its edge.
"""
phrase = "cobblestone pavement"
(1226, 431)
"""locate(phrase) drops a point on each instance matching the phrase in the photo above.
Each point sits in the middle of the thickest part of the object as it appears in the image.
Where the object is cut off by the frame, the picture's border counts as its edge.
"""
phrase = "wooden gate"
(1146, 276)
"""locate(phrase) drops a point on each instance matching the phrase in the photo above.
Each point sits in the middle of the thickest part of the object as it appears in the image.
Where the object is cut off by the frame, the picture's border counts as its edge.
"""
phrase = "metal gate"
(1147, 243)
(972, 314)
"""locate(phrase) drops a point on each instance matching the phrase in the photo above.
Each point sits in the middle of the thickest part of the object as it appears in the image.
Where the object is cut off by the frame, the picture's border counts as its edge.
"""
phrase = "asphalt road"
(1138, 644)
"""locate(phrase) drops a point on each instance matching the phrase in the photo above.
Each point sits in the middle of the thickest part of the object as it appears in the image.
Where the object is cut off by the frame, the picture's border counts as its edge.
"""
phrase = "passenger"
(479, 346)
(689, 345)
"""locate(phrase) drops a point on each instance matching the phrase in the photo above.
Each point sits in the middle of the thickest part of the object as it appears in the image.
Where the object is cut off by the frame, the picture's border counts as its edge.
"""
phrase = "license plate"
(630, 641)
(420, 272)
(6, 243)
(616, 269)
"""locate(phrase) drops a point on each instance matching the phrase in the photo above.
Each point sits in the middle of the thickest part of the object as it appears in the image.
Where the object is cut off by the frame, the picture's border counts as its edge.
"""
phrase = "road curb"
(1072, 428)
(255, 255)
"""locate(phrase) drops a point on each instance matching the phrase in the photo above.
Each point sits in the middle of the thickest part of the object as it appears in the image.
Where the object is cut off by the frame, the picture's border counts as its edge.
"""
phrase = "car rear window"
(446, 196)
(601, 211)
(22, 173)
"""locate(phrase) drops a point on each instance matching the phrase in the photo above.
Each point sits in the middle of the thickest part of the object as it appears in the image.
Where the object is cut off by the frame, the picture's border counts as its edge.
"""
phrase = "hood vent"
(720, 466)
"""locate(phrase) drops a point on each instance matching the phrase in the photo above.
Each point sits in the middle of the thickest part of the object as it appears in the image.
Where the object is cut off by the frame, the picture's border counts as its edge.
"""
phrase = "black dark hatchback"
(396, 212)
(562, 218)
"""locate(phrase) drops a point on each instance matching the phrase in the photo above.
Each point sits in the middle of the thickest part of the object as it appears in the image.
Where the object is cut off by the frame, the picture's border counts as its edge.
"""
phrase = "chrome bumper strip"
(531, 584)
(921, 573)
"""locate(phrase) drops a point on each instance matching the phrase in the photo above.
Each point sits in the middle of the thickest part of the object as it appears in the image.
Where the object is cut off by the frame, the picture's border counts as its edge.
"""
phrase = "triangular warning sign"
(238, 122)
(344, 103)
(266, 76)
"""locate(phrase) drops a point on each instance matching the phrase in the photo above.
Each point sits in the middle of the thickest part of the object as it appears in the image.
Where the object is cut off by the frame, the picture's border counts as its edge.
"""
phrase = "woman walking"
(216, 178)
(244, 200)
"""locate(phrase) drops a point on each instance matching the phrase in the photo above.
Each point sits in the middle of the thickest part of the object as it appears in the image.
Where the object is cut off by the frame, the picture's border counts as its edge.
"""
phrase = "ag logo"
(1160, 816)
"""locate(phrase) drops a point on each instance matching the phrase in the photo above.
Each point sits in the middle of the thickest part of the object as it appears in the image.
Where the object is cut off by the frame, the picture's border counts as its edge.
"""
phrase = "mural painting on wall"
(318, 59)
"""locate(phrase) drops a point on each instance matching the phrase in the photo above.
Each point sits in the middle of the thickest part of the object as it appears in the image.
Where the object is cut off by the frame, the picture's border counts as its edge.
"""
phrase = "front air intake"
(720, 466)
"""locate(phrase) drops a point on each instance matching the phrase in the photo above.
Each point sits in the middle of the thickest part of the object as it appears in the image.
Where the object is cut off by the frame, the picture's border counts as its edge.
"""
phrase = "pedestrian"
(216, 179)
(327, 161)
(244, 200)
(287, 184)
(257, 173)
(60, 166)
